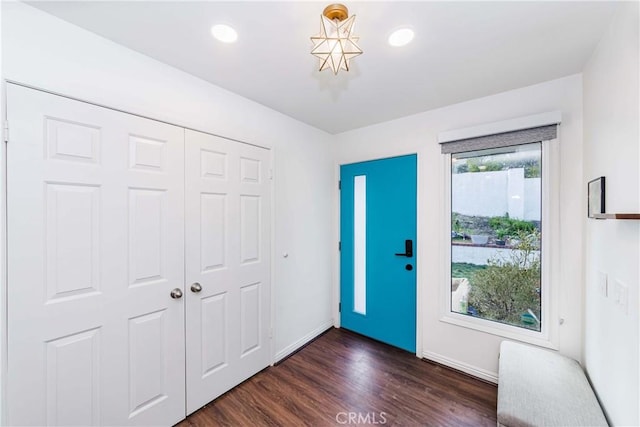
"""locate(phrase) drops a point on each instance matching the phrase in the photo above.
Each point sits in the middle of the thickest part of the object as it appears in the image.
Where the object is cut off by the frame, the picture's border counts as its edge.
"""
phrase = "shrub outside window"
(496, 223)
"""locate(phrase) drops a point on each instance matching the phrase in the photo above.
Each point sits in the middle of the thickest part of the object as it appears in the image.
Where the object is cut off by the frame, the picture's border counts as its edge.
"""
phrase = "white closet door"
(227, 264)
(95, 246)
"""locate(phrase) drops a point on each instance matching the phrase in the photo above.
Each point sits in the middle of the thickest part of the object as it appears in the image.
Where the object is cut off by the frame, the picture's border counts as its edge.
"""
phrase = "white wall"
(472, 350)
(46, 52)
(612, 149)
(3, 243)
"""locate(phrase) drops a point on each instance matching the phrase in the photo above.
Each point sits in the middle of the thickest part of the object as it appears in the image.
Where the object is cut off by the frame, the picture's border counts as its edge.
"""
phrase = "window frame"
(548, 335)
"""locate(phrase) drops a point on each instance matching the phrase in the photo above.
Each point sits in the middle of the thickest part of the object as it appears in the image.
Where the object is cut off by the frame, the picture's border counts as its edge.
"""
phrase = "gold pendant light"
(335, 46)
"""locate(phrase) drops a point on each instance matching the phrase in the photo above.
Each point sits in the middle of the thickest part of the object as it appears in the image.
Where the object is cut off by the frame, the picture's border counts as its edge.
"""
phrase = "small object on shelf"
(595, 198)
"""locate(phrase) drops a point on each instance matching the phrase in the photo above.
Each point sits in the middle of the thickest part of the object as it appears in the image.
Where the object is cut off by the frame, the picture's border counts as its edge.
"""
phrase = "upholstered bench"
(539, 387)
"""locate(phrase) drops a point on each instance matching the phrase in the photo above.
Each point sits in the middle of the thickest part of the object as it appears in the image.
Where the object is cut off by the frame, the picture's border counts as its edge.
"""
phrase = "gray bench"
(542, 388)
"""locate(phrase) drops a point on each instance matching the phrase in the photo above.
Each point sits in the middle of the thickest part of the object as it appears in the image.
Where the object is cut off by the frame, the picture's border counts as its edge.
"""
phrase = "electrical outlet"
(622, 296)
(615, 292)
(603, 288)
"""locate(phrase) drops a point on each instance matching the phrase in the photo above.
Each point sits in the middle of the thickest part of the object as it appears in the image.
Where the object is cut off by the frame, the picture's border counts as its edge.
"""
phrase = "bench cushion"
(538, 387)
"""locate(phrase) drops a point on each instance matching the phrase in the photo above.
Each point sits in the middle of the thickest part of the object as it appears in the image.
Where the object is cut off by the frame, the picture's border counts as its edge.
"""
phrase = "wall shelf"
(618, 216)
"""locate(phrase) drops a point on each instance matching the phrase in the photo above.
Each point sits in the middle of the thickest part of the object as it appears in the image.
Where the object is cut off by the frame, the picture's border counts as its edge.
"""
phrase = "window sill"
(539, 339)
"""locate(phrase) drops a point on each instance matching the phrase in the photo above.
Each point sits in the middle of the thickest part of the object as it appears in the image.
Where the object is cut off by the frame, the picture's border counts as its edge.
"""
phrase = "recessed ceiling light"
(401, 37)
(224, 33)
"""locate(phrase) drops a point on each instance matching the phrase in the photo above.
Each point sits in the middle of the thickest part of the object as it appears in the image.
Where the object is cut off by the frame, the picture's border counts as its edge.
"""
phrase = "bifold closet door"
(95, 248)
(227, 264)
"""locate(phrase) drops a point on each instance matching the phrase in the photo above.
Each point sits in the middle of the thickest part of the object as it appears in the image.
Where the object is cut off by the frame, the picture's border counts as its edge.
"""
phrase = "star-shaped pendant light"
(335, 46)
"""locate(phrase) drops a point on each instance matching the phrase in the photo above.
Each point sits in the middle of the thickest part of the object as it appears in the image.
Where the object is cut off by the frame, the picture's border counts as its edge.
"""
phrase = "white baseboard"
(461, 366)
(302, 341)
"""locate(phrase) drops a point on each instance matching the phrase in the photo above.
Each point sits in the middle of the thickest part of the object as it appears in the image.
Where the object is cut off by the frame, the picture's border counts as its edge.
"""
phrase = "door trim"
(4, 339)
(336, 234)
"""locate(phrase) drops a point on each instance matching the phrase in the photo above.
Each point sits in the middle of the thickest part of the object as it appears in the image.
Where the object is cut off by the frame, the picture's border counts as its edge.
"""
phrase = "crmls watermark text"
(345, 418)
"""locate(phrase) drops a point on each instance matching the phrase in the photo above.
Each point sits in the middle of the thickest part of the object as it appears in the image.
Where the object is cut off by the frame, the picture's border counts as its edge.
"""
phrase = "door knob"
(176, 293)
(196, 287)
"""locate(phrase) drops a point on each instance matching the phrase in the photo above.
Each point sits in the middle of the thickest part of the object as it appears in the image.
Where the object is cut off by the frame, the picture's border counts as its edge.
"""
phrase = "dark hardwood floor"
(342, 378)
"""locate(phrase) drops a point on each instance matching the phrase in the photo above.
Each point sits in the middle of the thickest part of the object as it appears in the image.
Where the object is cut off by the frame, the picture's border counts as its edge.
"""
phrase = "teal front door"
(378, 250)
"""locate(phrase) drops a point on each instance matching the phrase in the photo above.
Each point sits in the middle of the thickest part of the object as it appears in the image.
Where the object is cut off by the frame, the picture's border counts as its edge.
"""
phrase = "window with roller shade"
(497, 227)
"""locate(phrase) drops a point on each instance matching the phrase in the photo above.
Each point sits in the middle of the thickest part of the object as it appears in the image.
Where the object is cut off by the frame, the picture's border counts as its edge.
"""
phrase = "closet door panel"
(254, 268)
(227, 193)
(95, 246)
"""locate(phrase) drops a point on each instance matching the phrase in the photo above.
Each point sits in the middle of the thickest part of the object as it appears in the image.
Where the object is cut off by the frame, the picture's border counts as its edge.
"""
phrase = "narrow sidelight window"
(360, 244)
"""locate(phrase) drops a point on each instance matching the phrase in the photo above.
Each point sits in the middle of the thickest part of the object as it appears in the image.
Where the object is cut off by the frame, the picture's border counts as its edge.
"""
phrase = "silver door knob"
(196, 287)
(176, 293)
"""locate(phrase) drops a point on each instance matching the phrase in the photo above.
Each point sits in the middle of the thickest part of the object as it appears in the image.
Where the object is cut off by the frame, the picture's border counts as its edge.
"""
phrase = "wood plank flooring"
(342, 378)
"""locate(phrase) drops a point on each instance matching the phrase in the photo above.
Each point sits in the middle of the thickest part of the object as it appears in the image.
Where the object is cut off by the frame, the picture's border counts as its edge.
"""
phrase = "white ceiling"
(462, 50)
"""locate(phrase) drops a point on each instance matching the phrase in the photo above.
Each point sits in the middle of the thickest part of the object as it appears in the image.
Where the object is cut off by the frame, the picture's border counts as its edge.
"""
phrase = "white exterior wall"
(496, 193)
(515, 193)
(480, 193)
(480, 255)
(532, 198)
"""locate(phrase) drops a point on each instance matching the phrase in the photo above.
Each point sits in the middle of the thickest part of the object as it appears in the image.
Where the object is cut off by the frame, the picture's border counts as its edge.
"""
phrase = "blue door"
(378, 250)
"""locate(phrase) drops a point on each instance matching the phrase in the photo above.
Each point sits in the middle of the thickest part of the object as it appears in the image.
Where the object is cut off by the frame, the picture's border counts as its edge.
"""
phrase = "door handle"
(408, 249)
(176, 293)
(196, 287)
